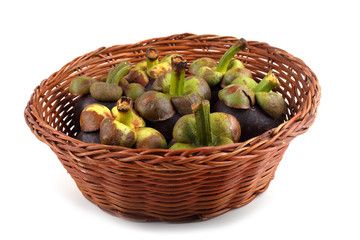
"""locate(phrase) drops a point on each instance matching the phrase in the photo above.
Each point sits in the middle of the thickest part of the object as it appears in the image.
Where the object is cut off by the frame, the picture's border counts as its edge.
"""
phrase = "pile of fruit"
(155, 105)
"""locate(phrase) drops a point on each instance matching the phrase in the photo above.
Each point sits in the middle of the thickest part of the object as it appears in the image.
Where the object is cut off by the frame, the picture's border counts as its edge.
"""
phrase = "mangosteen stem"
(202, 122)
(152, 57)
(269, 82)
(118, 72)
(124, 107)
(229, 54)
(177, 80)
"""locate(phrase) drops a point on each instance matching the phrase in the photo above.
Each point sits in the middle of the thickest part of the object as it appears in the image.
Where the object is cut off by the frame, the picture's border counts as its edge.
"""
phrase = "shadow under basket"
(166, 185)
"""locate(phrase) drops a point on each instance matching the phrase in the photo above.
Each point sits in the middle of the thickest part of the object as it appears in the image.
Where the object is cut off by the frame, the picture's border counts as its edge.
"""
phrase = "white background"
(315, 193)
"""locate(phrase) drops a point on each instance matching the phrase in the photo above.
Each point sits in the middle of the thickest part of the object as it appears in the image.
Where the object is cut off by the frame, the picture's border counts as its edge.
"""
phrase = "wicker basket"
(165, 185)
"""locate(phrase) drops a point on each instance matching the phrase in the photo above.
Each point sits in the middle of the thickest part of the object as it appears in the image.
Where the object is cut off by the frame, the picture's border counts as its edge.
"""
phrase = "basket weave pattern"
(165, 185)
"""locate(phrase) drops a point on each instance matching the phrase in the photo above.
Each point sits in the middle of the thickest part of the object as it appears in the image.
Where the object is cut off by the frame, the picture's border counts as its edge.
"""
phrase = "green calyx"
(237, 96)
(202, 62)
(191, 85)
(110, 91)
(81, 85)
(235, 63)
(131, 90)
(154, 106)
(234, 73)
(142, 66)
(105, 92)
(212, 72)
(204, 129)
(159, 69)
(136, 75)
(162, 83)
(113, 132)
(243, 92)
(134, 90)
(163, 67)
(183, 91)
(126, 128)
(149, 138)
(272, 103)
(211, 76)
(141, 71)
(245, 81)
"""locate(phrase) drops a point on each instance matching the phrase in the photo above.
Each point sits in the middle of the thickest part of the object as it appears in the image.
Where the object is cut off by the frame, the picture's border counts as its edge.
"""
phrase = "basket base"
(174, 219)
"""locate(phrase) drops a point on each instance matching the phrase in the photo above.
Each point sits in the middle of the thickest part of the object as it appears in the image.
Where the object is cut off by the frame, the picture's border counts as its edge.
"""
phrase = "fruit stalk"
(124, 107)
(229, 54)
(152, 57)
(118, 72)
(202, 121)
(269, 82)
(177, 80)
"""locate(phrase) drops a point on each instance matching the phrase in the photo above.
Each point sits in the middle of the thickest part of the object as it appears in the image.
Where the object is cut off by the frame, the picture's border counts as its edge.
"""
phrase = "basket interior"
(56, 103)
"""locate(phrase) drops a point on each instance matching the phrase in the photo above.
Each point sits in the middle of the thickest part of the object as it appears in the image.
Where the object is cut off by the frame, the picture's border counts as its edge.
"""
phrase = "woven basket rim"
(306, 118)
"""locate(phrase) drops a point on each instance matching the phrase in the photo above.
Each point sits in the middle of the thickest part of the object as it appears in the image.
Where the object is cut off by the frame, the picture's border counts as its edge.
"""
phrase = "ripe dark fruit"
(165, 126)
(89, 137)
(148, 87)
(214, 94)
(253, 121)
